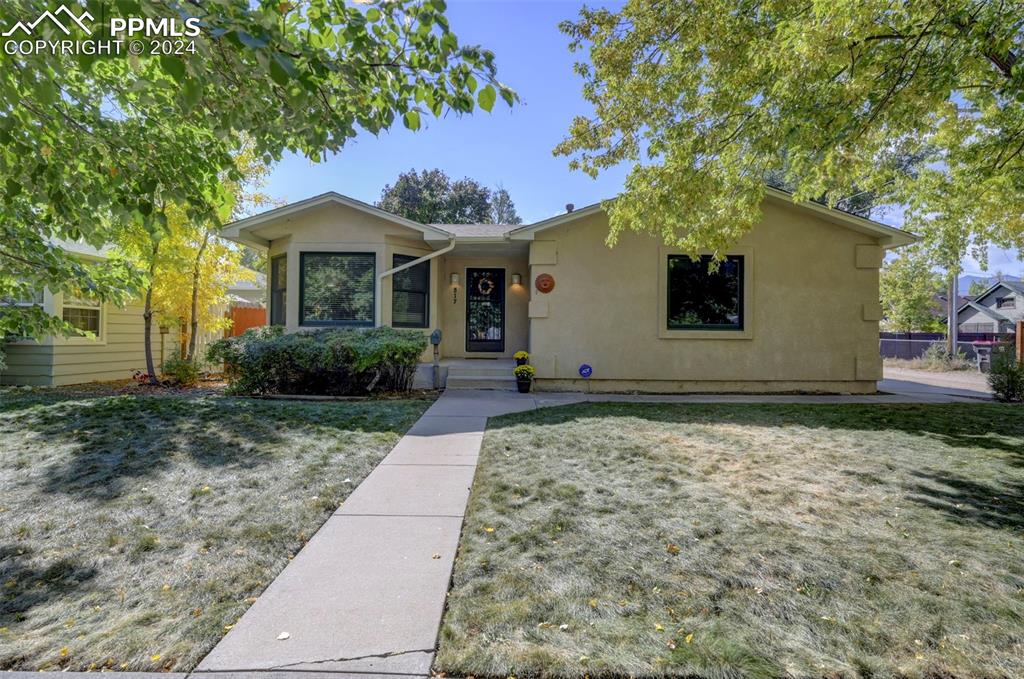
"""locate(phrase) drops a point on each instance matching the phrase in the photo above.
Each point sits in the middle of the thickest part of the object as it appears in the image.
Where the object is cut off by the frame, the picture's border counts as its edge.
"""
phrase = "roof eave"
(527, 232)
(240, 231)
(888, 236)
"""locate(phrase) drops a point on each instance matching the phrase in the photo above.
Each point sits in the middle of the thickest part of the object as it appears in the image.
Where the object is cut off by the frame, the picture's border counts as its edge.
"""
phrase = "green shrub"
(331, 361)
(180, 371)
(1006, 376)
(937, 357)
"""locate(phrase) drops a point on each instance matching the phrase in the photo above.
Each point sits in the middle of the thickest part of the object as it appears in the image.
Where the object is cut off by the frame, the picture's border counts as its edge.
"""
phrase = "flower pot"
(522, 361)
(524, 386)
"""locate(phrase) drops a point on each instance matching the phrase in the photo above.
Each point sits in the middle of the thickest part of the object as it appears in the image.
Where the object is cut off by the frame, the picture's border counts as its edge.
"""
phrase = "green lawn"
(724, 541)
(135, 530)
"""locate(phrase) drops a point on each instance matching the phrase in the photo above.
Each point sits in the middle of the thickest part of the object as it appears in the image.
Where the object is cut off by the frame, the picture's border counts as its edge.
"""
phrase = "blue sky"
(511, 147)
(508, 146)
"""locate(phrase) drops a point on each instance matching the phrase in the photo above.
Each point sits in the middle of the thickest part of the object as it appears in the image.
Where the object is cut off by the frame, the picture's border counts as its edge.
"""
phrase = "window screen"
(410, 294)
(337, 288)
(700, 298)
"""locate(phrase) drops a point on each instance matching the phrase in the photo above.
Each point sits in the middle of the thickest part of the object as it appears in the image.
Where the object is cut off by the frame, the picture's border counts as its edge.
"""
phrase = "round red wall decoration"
(545, 283)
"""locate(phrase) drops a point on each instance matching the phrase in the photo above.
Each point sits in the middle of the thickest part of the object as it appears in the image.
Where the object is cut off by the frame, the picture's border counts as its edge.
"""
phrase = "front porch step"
(504, 382)
(483, 370)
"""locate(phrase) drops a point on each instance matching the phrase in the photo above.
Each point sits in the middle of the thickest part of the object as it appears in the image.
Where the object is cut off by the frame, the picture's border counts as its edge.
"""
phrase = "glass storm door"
(485, 310)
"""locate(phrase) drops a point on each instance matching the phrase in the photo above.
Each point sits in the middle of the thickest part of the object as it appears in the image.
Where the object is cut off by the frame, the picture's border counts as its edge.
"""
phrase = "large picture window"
(700, 298)
(410, 294)
(337, 288)
(82, 313)
(278, 289)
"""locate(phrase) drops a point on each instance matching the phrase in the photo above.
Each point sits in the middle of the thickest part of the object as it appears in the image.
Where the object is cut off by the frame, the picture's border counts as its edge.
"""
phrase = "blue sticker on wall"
(586, 371)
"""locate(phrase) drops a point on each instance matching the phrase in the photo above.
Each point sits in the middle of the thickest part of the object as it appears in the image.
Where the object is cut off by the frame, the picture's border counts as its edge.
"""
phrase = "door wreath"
(485, 286)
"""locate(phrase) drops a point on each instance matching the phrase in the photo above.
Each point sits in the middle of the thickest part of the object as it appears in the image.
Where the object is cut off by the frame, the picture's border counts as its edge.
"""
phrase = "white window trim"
(47, 306)
(73, 340)
(748, 299)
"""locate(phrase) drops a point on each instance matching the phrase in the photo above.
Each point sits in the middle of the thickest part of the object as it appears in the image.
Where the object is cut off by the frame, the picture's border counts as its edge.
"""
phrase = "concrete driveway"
(923, 383)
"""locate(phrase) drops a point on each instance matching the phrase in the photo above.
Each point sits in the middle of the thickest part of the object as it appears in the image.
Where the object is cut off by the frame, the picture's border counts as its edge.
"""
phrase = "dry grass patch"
(135, 530)
(724, 541)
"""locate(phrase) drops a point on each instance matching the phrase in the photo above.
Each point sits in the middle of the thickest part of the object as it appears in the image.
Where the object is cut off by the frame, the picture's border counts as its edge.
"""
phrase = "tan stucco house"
(794, 307)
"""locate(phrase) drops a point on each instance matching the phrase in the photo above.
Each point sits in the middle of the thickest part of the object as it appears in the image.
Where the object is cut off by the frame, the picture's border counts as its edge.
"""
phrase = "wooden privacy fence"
(244, 317)
(1020, 341)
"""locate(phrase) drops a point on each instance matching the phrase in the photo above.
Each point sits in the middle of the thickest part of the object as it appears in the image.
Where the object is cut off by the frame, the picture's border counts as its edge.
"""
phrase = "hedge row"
(341, 362)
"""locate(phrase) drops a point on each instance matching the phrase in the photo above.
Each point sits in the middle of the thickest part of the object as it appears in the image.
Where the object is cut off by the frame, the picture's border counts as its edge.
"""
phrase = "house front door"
(485, 310)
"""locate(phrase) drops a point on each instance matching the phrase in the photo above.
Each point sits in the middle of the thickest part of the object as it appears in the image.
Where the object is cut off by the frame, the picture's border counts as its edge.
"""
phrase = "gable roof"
(475, 230)
(1012, 286)
(234, 230)
(889, 236)
(991, 313)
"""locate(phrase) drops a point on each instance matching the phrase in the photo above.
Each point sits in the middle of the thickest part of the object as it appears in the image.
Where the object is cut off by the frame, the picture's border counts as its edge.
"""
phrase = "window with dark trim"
(701, 297)
(337, 288)
(410, 294)
(1006, 302)
(278, 290)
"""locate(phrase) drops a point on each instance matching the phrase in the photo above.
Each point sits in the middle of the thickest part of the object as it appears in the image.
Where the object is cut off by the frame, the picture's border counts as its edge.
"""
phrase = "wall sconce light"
(455, 279)
(517, 279)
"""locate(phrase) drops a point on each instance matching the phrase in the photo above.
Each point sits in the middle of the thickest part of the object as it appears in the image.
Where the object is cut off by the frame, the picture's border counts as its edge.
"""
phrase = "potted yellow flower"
(522, 358)
(524, 377)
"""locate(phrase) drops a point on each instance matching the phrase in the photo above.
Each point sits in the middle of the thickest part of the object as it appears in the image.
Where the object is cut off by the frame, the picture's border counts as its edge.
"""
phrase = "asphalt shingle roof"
(476, 229)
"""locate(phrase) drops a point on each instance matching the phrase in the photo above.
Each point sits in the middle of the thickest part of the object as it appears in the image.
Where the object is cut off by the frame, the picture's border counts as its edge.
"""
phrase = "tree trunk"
(147, 318)
(194, 331)
(147, 334)
(952, 327)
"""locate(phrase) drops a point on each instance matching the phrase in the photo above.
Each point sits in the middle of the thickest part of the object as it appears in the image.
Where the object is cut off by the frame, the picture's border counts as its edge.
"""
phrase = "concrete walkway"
(365, 596)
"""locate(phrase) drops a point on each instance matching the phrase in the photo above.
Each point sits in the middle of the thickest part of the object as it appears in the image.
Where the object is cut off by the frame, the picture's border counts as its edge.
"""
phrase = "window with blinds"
(337, 288)
(410, 294)
(82, 313)
(278, 289)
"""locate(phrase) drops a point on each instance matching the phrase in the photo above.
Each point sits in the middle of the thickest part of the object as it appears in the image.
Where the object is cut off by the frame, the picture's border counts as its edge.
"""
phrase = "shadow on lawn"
(117, 441)
(993, 432)
(32, 585)
(968, 501)
(990, 426)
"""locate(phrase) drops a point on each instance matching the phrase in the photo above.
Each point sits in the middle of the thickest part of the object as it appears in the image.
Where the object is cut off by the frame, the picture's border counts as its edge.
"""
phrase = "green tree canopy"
(88, 143)
(431, 197)
(703, 98)
(910, 294)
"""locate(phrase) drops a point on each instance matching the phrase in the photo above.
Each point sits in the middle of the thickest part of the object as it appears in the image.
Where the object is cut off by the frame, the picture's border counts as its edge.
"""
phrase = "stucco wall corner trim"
(872, 311)
(869, 256)
(868, 367)
(543, 252)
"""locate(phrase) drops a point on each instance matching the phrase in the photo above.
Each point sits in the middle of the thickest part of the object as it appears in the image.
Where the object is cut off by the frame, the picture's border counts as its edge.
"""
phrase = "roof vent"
(569, 207)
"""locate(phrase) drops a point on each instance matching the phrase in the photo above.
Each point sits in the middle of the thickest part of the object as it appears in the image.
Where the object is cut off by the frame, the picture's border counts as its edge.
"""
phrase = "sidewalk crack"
(388, 654)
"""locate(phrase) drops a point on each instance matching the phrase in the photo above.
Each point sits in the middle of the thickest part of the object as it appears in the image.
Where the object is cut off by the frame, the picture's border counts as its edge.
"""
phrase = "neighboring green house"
(794, 306)
(115, 353)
